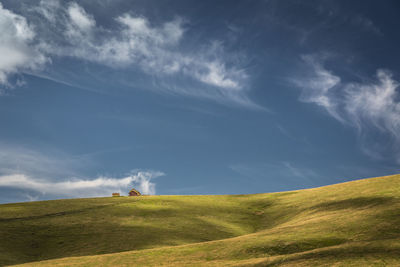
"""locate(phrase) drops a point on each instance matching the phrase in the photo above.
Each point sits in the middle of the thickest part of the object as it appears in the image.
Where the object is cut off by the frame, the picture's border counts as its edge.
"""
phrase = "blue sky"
(195, 97)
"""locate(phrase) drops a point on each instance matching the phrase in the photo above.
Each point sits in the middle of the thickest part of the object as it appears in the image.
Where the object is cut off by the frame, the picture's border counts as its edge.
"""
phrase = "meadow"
(350, 224)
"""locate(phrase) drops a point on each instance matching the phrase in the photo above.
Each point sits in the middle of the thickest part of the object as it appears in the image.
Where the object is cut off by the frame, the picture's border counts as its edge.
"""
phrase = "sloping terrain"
(350, 224)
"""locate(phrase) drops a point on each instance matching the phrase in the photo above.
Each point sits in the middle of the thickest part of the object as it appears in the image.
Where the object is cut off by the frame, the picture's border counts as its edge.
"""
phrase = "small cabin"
(134, 192)
(115, 195)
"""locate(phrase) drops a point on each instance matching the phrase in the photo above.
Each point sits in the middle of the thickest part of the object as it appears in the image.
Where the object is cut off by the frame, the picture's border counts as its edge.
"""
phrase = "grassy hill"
(350, 224)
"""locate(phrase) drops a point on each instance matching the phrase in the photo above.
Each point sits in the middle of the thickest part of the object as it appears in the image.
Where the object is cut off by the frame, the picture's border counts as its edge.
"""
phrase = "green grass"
(349, 224)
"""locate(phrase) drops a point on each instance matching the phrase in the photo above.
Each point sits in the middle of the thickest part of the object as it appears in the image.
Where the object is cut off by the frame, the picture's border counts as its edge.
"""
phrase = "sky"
(195, 97)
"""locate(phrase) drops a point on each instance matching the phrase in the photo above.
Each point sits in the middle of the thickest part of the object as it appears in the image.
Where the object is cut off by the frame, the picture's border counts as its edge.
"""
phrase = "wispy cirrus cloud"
(318, 86)
(134, 42)
(371, 107)
(285, 170)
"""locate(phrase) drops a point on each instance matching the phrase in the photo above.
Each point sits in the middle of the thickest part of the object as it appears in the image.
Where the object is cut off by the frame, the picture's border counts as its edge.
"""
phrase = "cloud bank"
(55, 30)
(101, 186)
(55, 174)
(371, 107)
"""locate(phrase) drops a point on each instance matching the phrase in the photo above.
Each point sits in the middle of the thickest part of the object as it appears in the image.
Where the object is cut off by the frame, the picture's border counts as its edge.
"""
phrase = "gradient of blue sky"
(195, 97)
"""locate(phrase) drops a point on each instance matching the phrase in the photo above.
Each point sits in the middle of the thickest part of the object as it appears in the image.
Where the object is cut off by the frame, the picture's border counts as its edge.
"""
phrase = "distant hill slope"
(350, 224)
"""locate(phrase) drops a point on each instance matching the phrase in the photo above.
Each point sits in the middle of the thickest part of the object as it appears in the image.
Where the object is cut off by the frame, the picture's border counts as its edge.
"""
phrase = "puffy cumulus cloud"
(371, 107)
(101, 186)
(132, 43)
(17, 49)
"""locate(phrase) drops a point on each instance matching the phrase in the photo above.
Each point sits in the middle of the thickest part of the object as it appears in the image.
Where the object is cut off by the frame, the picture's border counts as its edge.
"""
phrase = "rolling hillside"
(350, 224)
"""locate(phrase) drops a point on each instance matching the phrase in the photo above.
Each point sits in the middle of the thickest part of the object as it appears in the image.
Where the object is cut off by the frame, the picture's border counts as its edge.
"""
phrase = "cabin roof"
(133, 190)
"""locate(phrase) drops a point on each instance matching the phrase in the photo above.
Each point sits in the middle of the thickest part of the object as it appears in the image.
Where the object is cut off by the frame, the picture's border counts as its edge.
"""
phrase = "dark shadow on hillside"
(79, 233)
(43, 243)
(386, 224)
(55, 214)
(354, 203)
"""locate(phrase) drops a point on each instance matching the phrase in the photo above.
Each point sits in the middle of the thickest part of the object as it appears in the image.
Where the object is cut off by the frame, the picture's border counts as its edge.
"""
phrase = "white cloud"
(133, 43)
(17, 52)
(376, 103)
(318, 86)
(155, 50)
(137, 28)
(138, 43)
(48, 8)
(370, 107)
(56, 174)
(79, 25)
(216, 74)
(101, 186)
(80, 18)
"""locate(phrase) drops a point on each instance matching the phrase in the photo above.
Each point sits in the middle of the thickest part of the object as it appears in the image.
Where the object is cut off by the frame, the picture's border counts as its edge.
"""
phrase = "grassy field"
(349, 224)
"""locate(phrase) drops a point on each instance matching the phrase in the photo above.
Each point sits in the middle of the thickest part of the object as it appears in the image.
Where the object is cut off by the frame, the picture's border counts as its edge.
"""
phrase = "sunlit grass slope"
(349, 224)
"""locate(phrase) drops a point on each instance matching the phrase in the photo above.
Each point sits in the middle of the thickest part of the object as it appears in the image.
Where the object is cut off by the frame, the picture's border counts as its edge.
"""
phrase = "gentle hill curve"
(350, 224)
